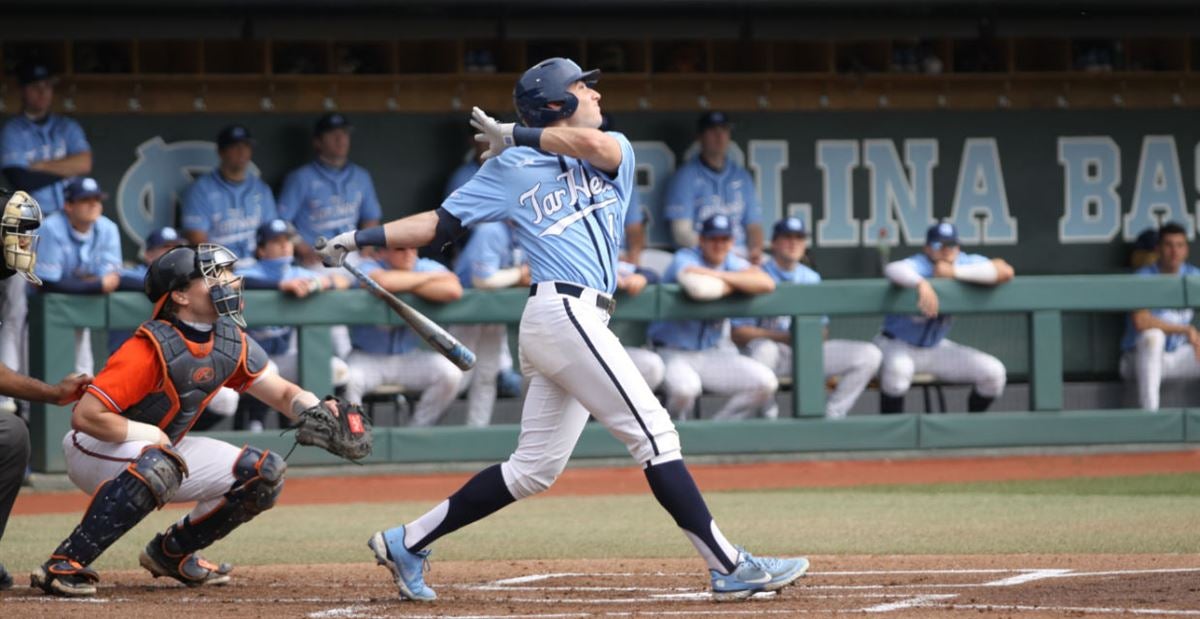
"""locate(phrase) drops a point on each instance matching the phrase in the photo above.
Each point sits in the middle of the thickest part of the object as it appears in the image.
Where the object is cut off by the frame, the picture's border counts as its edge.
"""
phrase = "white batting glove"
(498, 135)
(333, 251)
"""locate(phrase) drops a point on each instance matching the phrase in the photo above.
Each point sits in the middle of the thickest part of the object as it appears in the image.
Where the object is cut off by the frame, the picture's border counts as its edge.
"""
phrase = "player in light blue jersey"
(1162, 343)
(330, 194)
(384, 354)
(80, 253)
(695, 359)
(712, 183)
(564, 186)
(227, 205)
(768, 340)
(487, 262)
(912, 344)
(39, 152)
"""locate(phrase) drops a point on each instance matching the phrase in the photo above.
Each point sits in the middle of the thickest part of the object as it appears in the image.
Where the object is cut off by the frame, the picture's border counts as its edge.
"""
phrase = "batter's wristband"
(527, 136)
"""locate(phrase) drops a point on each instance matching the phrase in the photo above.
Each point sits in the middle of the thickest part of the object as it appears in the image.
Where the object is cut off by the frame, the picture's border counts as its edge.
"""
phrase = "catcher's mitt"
(347, 435)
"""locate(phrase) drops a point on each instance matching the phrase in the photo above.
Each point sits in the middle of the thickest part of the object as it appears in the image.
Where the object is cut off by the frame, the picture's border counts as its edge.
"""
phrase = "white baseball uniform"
(1151, 355)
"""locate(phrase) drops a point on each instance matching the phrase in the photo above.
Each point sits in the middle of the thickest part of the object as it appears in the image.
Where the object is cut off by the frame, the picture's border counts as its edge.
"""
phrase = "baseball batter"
(130, 447)
(768, 340)
(1162, 343)
(913, 344)
(565, 187)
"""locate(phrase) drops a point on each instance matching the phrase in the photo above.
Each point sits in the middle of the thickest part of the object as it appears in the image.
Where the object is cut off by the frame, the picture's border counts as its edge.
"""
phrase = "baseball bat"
(433, 334)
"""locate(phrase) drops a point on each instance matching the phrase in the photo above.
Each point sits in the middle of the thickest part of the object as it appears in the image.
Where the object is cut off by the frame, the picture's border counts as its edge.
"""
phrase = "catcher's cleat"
(407, 568)
(64, 577)
(192, 569)
(755, 574)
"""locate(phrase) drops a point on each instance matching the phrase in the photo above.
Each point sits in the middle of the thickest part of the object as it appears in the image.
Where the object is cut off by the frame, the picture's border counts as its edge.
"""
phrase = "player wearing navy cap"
(768, 340)
(912, 344)
(227, 205)
(39, 152)
(330, 194)
(712, 183)
(565, 187)
(695, 359)
(80, 253)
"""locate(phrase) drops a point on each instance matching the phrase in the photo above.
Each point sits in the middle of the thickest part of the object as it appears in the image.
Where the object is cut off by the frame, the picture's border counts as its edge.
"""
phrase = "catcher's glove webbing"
(347, 435)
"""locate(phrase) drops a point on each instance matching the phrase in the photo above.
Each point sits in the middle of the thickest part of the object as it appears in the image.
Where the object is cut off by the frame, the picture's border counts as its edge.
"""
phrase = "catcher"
(129, 446)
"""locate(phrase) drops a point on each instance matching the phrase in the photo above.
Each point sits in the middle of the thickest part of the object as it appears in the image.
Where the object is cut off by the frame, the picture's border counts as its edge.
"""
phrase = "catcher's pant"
(577, 366)
(750, 384)
(1149, 362)
(91, 462)
(428, 372)
(947, 361)
(487, 341)
(854, 363)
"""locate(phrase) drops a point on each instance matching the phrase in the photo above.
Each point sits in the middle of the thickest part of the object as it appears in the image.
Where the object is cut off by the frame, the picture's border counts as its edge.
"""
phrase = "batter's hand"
(497, 135)
(927, 299)
(333, 251)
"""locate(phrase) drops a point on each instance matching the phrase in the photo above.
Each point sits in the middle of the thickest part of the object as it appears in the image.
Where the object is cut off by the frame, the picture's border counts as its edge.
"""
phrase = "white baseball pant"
(487, 342)
(428, 372)
(853, 362)
(13, 312)
(1149, 363)
(649, 365)
(750, 385)
(577, 366)
(947, 361)
(91, 462)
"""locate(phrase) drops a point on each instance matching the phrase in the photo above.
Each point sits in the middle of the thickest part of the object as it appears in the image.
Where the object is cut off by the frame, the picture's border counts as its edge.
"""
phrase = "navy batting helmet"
(549, 82)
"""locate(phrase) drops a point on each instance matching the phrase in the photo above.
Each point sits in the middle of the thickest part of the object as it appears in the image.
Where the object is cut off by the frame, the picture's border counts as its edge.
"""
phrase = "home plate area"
(896, 586)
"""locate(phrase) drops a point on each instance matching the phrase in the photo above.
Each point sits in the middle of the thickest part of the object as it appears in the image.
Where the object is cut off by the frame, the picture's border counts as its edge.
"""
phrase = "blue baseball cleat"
(754, 574)
(407, 567)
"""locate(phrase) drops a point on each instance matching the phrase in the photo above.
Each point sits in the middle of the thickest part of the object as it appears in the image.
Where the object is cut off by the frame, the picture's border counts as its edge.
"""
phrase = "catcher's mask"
(21, 217)
(176, 269)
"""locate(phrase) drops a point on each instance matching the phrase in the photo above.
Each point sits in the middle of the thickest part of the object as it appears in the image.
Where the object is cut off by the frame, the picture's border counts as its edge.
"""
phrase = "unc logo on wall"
(152, 189)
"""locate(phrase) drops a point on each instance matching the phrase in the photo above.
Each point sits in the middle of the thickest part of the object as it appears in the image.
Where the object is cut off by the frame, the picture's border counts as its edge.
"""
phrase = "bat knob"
(319, 243)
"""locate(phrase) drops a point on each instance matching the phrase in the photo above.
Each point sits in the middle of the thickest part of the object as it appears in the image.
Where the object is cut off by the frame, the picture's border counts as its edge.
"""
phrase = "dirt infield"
(902, 587)
(629, 480)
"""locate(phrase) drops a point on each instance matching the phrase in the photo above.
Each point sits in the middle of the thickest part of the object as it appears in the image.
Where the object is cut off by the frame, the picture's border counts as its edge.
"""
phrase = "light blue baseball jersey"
(800, 274)
(569, 216)
(324, 201)
(489, 250)
(461, 175)
(385, 340)
(691, 334)
(229, 213)
(64, 253)
(1173, 315)
(919, 330)
(697, 192)
(24, 142)
(274, 340)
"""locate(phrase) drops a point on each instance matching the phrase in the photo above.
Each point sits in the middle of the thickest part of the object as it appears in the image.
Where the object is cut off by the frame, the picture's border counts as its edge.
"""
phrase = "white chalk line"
(913, 602)
(1074, 609)
(1021, 579)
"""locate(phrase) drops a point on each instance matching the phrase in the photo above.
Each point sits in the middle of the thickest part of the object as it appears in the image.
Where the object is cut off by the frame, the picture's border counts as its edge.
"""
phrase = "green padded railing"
(54, 317)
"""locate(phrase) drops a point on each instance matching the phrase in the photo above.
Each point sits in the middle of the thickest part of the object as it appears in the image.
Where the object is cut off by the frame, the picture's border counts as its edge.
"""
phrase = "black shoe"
(6, 581)
(64, 577)
(192, 569)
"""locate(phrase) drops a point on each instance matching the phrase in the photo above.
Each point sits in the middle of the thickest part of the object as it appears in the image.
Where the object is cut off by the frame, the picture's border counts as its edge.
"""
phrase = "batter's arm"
(592, 145)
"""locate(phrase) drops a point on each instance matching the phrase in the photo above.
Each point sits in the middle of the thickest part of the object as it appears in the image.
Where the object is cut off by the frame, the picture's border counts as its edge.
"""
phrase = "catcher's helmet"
(548, 82)
(177, 268)
(20, 217)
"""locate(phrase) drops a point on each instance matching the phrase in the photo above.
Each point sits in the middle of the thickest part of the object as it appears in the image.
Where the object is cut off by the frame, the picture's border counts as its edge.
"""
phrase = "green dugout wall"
(1040, 300)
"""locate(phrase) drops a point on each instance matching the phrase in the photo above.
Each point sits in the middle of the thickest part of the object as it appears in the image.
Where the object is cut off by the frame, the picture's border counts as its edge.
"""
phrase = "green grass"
(1148, 514)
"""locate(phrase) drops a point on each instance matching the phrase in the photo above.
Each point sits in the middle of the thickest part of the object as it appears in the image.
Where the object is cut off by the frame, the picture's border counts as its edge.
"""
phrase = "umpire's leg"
(14, 456)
